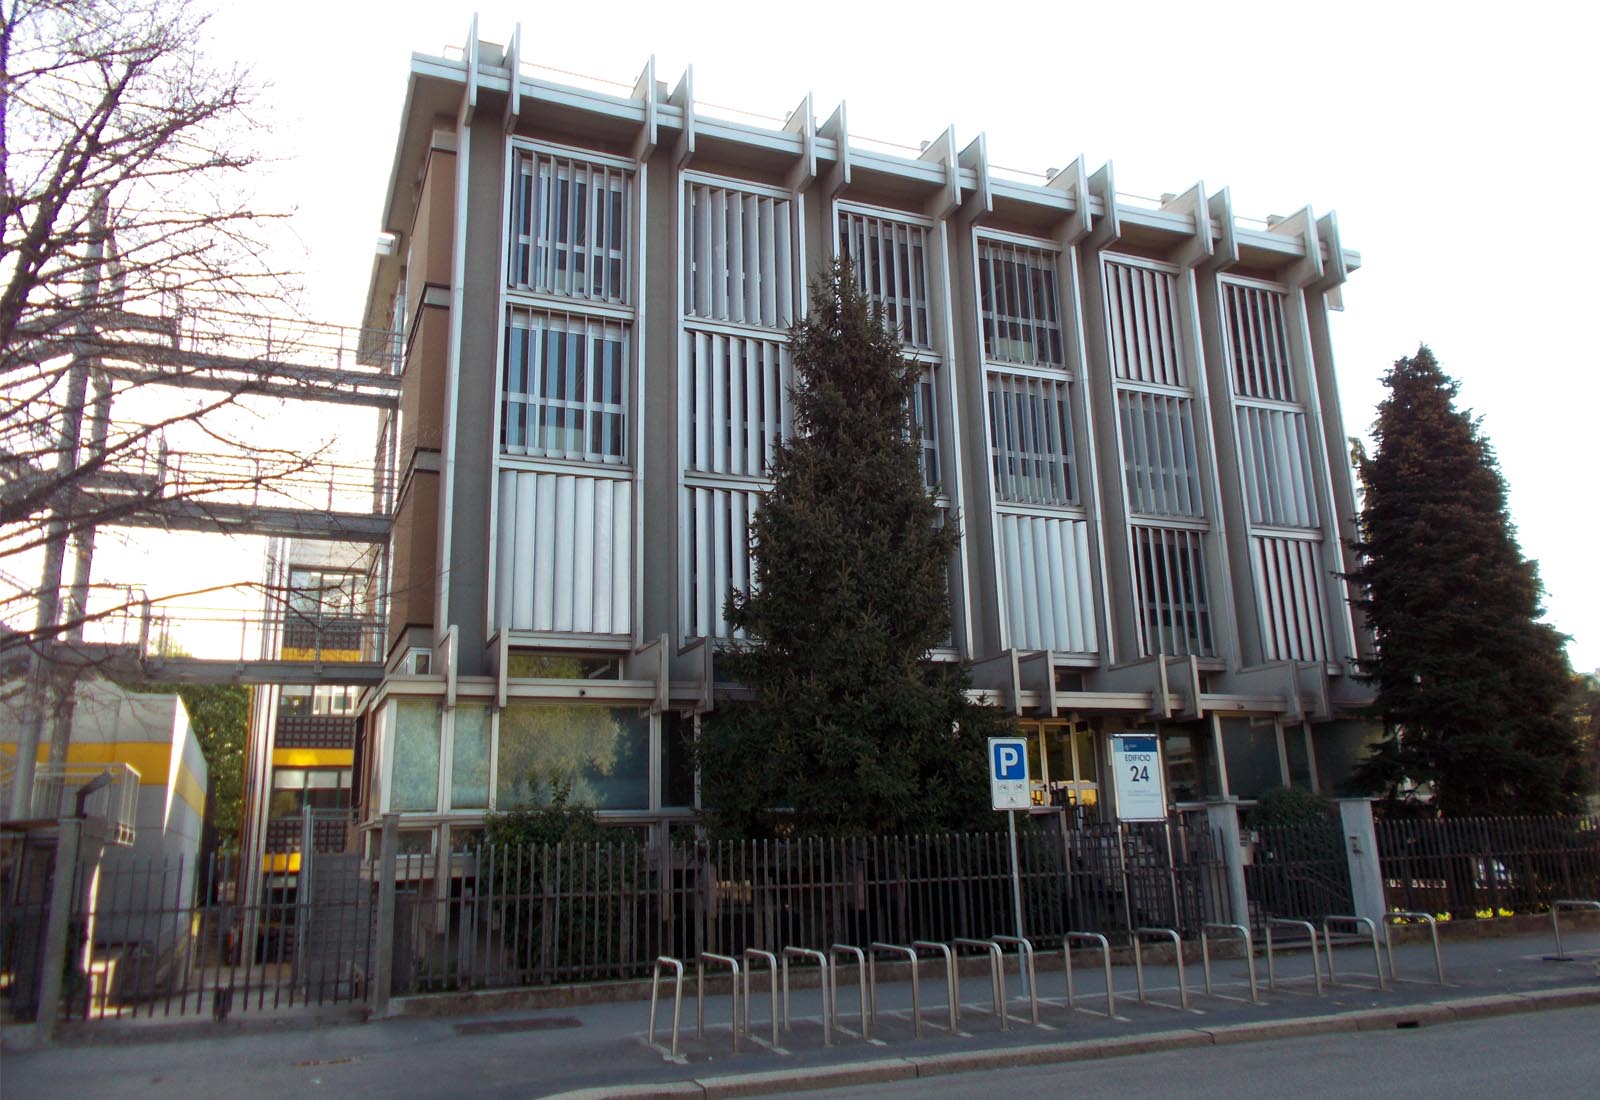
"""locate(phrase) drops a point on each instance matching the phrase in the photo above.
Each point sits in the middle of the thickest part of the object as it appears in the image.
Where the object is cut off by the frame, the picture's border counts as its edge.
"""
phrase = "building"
(1129, 408)
(300, 752)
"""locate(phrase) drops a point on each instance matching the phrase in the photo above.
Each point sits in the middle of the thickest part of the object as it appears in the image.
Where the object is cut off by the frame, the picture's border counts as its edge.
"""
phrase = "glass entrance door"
(1064, 765)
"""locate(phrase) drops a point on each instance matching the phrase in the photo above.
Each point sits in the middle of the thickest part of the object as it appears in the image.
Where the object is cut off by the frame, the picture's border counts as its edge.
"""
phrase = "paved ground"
(1552, 1055)
(601, 1048)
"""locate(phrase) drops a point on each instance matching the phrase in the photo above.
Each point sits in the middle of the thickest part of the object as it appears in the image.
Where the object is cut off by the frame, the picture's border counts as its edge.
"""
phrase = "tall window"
(1030, 439)
(1020, 309)
(566, 387)
(570, 227)
(740, 277)
(1047, 588)
(564, 514)
(1153, 379)
(1170, 582)
(890, 258)
(1276, 472)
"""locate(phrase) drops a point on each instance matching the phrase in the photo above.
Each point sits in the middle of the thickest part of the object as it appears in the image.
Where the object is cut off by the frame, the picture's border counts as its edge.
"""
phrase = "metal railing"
(1485, 867)
(55, 795)
(1297, 871)
(503, 916)
(1555, 921)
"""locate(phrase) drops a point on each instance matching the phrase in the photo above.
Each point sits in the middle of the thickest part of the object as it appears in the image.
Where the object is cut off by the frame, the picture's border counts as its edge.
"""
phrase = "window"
(738, 265)
(570, 227)
(469, 758)
(1276, 459)
(925, 422)
(1030, 439)
(604, 752)
(565, 387)
(1141, 324)
(1288, 573)
(320, 788)
(1257, 343)
(302, 700)
(416, 756)
(317, 594)
(739, 268)
(1276, 467)
(890, 258)
(1174, 615)
(737, 400)
(1159, 460)
(1155, 406)
(1019, 305)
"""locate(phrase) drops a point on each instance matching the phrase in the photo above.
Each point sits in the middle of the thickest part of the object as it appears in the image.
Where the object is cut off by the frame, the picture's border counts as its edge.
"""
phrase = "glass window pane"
(416, 755)
(677, 759)
(1251, 749)
(469, 759)
(603, 752)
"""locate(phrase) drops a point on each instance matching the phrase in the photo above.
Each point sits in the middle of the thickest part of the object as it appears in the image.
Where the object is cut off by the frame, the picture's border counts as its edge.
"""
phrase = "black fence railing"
(1298, 872)
(560, 913)
(1488, 866)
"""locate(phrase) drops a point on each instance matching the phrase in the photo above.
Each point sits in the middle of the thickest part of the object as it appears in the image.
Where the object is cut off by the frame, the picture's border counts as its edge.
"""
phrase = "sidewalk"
(599, 1050)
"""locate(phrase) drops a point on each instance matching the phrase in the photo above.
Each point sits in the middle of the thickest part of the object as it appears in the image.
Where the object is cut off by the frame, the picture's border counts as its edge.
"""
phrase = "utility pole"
(50, 685)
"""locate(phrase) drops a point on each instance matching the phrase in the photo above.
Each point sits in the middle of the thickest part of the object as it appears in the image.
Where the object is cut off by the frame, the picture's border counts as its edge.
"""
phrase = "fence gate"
(1299, 872)
(176, 938)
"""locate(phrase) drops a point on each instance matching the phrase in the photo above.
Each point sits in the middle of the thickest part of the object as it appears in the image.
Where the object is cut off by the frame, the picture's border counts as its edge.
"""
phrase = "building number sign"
(1141, 793)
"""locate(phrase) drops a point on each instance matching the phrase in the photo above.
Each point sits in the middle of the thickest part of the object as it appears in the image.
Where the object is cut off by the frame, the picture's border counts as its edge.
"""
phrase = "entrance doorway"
(1064, 766)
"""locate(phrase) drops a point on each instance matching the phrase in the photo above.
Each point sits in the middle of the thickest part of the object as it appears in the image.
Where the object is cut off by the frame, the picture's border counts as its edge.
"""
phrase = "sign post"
(1142, 794)
(1008, 790)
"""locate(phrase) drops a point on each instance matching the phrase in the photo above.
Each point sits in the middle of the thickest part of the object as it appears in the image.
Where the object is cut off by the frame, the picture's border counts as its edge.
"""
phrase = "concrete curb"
(769, 1082)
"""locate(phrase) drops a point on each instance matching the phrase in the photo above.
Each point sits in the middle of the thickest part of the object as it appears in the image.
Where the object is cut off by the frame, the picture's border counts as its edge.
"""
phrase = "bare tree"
(138, 307)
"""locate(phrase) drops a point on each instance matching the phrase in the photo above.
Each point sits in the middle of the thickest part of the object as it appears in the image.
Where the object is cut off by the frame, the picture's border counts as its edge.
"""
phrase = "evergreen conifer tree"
(849, 726)
(1470, 684)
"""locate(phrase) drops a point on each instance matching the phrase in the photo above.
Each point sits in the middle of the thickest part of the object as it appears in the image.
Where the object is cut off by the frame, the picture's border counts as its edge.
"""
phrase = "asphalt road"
(1548, 1055)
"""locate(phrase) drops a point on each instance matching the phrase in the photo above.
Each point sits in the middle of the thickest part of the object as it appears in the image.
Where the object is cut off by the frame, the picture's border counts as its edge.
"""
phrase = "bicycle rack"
(826, 978)
(861, 977)
(1390, 920)
(1272, 964)
(1238, 931)
(700, 993)
(916, 981)
(1139, 936)
(677, 1002)
(751, 954)
(997, 976)
(951, 977)
(1105, 954)
(1026, 971)
(1555, 923)
(1351, 937)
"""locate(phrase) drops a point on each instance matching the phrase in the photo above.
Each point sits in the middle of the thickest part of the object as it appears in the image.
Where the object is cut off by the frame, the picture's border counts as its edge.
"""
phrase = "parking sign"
(1008, 773)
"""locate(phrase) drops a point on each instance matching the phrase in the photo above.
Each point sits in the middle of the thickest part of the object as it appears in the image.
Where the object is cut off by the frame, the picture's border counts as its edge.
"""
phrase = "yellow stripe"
(296, 653)
(151, 759)
(190, 790)
(313, 758)
(281, 863)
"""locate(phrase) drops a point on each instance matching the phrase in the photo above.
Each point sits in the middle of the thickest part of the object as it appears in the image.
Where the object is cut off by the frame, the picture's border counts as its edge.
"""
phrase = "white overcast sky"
(1456, 141)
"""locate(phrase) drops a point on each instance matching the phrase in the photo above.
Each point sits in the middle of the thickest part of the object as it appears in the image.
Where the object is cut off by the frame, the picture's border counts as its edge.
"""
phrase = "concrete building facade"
(1128, 409)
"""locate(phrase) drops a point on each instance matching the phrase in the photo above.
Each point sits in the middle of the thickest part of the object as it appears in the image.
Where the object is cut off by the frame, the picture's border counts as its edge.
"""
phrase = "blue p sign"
(1008, 761)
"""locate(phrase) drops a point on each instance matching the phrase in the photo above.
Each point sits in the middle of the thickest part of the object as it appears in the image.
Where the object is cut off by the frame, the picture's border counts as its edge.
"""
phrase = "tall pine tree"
(849, 727)
(1470, 684)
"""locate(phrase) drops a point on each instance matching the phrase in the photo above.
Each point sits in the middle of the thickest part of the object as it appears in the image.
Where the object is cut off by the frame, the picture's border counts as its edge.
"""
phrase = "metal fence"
(1488, 866)
(1300, 872)
(578, 912)
(173, 938)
